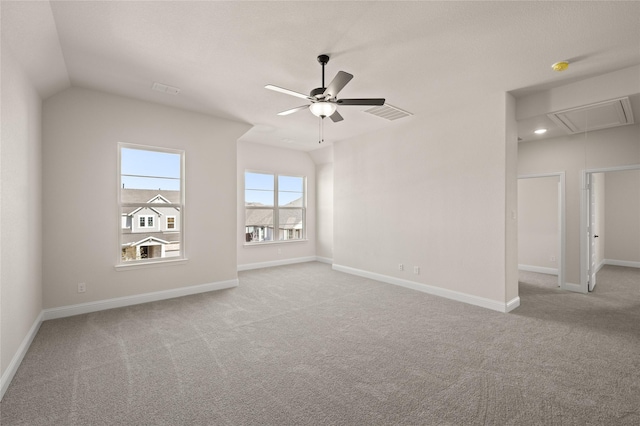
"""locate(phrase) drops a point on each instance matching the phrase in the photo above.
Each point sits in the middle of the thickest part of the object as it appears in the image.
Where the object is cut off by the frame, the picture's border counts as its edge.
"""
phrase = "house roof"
(289, 218)
(149, 195)
(134, 239)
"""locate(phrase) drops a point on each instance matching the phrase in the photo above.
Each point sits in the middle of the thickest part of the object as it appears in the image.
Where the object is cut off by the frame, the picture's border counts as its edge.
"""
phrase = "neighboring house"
(152, 230)
(259, 222)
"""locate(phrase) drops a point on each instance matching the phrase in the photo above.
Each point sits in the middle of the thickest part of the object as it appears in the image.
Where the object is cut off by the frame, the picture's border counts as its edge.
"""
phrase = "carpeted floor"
(303, 344)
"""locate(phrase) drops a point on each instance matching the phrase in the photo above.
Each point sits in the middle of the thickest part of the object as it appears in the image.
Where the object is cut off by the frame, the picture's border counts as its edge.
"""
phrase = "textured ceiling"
(423, 57)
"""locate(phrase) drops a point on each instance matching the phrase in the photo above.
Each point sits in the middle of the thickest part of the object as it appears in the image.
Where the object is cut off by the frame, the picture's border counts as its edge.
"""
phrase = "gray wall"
(20, 209)
(81, 130)
(429, 192)
(622, 216)
(538, 224)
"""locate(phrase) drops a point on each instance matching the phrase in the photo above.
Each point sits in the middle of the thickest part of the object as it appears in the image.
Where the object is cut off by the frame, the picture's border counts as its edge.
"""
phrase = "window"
(151, 192)
(171, 222)
(146, 221)
(274, 207)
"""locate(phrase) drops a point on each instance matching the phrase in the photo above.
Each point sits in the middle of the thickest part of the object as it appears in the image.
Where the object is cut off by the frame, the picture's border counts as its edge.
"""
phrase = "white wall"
(20, 210)
(622, 216)
(324, 216)
(258, 157)
(538, 223)
(604, 148)
(433, 193)
(81, 130)
(323, 158)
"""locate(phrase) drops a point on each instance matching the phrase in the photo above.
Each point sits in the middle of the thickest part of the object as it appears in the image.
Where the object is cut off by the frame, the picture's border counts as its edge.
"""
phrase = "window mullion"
(276, 210)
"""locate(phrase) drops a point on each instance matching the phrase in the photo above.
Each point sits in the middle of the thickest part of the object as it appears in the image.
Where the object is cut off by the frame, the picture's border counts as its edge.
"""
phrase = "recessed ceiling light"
(540, 131)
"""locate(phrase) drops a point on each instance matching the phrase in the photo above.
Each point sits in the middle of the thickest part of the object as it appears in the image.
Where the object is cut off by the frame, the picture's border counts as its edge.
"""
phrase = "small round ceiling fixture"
(540, 131)
(560, 66)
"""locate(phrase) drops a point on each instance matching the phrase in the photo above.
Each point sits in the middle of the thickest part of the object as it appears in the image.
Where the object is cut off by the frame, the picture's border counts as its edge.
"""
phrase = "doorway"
(624, 238)
(541, 224)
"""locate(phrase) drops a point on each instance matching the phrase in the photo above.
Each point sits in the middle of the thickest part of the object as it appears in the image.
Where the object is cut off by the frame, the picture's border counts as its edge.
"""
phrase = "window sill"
(151, 264)
(268, 243)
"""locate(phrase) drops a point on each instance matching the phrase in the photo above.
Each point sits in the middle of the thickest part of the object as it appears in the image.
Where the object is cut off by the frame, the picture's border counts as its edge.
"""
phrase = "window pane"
(290, 199)
(141, 240)
(258, 181)
(290, 191)
(290, 183)
(253, 197)
(258, 225)
(291, 224)
(144, 169)
(152, 203)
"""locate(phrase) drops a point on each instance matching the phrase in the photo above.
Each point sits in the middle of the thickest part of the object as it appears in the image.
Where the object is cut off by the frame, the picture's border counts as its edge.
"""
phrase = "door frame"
(585, 264)
(562, 236)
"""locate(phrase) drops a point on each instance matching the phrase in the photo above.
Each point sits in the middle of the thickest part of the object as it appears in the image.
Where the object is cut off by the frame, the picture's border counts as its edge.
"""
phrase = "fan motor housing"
(318, 93)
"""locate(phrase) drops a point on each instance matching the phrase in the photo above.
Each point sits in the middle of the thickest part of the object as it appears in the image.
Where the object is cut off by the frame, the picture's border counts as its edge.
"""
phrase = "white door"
(592, 232)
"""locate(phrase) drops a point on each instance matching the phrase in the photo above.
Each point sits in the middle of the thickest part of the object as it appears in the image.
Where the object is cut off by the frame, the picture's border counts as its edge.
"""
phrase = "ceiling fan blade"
(286, 91)
(292, 110)
(366, 102)
(337, 84)
(335, 117)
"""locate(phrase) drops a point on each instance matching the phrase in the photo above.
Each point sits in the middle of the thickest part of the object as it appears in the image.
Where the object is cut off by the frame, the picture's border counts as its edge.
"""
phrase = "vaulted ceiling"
(423, 57)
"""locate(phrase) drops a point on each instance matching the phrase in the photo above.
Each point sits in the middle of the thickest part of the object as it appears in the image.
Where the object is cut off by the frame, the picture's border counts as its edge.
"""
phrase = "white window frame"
(167, 223)
(146, 221)
(122, 265)
(276, 208)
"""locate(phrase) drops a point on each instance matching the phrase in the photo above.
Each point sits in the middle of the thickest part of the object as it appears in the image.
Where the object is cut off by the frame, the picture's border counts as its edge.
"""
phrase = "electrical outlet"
(552, 258)
(416, 270)
(400, 267)
(82, 287)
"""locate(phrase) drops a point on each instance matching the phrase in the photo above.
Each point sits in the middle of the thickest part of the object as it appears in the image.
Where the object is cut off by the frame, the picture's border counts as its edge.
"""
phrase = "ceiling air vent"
(163, 88)
(600, 115)
(389, 112)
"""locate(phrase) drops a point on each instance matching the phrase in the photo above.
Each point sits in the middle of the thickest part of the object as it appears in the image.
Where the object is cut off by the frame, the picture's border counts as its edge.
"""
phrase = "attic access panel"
(596, 116)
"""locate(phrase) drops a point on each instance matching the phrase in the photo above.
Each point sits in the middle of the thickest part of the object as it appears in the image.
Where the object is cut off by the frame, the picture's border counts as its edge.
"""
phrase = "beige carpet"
(304, 344)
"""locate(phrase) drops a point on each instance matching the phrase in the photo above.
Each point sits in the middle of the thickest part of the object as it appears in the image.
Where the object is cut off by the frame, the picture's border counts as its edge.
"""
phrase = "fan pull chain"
(321, 130)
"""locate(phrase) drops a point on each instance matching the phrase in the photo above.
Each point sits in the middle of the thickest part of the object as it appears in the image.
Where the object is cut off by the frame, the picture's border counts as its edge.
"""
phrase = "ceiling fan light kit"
(324, 100)
(323, 109)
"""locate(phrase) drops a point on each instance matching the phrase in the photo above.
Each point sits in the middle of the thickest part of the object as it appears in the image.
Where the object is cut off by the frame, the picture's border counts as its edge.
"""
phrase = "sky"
(259, 188)
(161, 169)
(144, 169)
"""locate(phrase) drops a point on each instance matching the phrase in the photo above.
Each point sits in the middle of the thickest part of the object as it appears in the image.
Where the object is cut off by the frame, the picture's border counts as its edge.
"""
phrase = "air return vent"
(389, 112)
(600, 115)
(163, 88)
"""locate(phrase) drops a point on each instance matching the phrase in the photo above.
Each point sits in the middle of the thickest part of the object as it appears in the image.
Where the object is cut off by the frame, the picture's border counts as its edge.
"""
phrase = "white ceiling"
(423, 57)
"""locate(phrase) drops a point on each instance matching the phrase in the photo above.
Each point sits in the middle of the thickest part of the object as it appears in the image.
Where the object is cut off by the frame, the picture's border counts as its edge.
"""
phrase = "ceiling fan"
(324, 100)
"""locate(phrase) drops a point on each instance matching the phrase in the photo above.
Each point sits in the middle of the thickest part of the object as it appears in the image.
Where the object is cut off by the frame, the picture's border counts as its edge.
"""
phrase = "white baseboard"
(512, 304)
(119, 302)
(436, 291)
(627, 263)
(538, 269)
(11, 370)
(574, 287)
(259, 265)
(324, 260)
